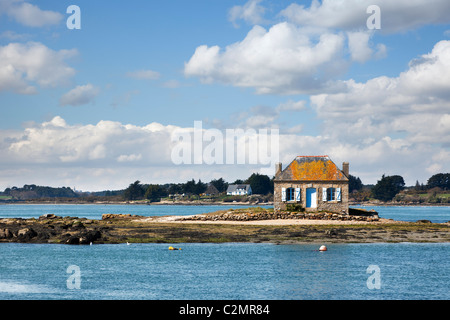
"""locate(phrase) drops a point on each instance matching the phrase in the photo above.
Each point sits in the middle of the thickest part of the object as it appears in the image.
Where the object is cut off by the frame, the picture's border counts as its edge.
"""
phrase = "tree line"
(32, 191)
(385, 189)
(389, 186)
(260, 184)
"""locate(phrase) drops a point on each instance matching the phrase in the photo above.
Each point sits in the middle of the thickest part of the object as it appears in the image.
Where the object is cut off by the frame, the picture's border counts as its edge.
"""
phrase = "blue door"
(311, 198)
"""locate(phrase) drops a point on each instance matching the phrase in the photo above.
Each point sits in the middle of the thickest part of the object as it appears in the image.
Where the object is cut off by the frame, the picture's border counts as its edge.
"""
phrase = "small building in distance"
(211, 190)
(313, 182)
(239, 190)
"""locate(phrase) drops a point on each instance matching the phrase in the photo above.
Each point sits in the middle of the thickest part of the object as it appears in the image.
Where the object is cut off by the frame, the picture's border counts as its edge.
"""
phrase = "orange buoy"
(323, 248)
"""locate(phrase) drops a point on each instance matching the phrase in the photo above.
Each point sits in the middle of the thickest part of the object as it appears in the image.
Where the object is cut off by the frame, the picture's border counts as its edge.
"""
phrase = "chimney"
(345, 168)
(278, 168)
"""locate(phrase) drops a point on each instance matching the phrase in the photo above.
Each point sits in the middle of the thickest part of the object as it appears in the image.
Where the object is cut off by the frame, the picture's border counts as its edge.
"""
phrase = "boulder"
(114, 216)
(84, 237)
(331, 232)
(73, 240)
(26, 233)
(5, 234)
(423, 221)
(48, 216)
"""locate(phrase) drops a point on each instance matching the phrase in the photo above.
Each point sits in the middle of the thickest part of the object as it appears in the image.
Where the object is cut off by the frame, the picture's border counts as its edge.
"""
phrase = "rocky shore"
(51, 229)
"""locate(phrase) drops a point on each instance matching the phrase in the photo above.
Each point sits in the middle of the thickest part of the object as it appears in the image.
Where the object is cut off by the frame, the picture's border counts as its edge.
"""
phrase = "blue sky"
(118, 38)
(71, 99)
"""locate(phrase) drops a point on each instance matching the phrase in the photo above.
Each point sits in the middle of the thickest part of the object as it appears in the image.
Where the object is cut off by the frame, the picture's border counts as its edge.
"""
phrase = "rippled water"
(235, 271)
(95, 211)
(225, 271)
(435, 214)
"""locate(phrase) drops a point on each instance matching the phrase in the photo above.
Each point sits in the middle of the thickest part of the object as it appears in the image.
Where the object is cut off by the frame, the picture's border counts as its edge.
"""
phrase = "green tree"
(354, 183)
(192, 187)
(189, 187)
(259, 183)
(220, 184)
(154, 193)
(135, 191)
(388, 187)
(441, 180)
(174, 189)
(200, 187)
(417, 186)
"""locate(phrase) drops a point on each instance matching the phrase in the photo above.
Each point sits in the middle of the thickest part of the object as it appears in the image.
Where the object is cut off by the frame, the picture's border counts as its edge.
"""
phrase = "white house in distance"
(239, 190)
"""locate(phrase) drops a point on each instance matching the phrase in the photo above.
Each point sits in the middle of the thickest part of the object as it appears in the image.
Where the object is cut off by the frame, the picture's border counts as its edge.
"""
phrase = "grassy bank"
(218, 233)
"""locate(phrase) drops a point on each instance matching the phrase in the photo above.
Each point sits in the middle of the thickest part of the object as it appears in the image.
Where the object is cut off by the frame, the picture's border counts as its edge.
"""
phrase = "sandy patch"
(276, 222)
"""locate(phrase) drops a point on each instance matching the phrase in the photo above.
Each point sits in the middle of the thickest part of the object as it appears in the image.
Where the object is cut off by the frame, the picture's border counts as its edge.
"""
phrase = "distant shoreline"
(205, 203)
(140, 203)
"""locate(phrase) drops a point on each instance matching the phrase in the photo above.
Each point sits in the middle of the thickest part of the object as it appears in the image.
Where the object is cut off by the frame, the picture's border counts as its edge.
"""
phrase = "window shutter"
(297, 194)
(338, 194)
(283, 194)
(324, 194)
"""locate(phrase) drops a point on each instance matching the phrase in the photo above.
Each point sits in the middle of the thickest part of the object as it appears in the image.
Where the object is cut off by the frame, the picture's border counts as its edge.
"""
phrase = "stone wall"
(332, 206)
(252, 216)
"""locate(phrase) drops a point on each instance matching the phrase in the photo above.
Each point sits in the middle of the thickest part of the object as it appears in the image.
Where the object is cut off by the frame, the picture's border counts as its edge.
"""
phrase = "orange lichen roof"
(312, 168)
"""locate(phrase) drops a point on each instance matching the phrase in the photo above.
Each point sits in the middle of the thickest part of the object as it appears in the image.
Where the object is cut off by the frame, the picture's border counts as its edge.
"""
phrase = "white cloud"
(415, 102)
(129, 157)
(283, 59)
(110, 155)
(396, 16)
(144, 75)
(28, 14)
(79, 95)
(394, 123)
(386, 125)
(57, 143)
(263, 117)
(251, 12)
(360, 47)
(106, 155)
(22, 65)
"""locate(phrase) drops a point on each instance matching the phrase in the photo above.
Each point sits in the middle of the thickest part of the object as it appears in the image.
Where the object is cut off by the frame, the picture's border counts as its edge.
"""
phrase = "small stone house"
(211, 190)
(239, 189)
(313, 182)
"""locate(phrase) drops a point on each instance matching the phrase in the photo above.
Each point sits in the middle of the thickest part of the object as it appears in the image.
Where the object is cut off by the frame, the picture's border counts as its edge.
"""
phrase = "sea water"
(435, 214)
(236, 271)
(95, 211)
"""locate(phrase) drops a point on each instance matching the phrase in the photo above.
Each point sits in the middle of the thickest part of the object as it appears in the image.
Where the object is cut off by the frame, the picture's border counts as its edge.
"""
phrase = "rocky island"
(242, 225)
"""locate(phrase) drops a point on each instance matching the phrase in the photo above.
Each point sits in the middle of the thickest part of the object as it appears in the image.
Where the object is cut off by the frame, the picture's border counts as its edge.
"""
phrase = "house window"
(290, 194)
(331, 194)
